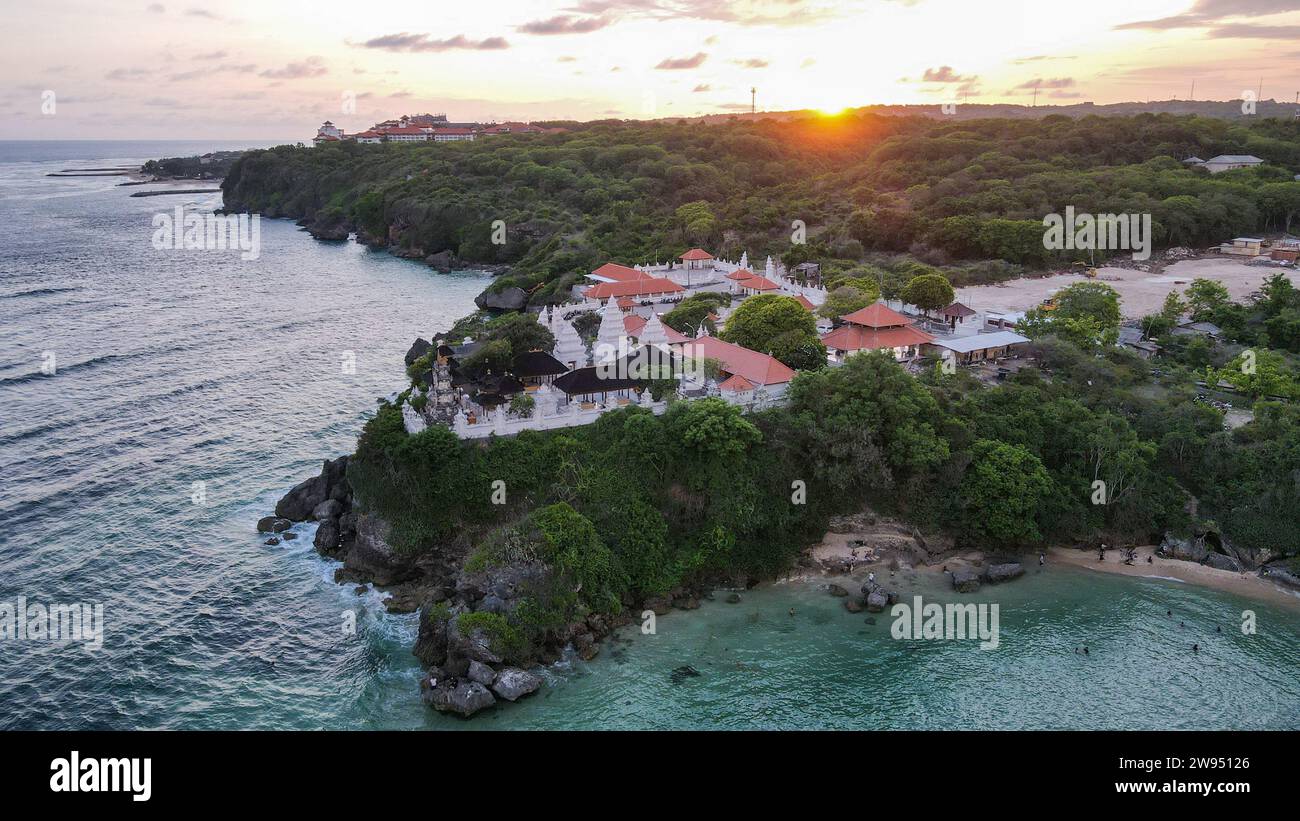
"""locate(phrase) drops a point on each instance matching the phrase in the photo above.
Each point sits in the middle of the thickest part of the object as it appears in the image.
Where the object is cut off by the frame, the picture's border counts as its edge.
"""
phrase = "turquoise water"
(193, 366)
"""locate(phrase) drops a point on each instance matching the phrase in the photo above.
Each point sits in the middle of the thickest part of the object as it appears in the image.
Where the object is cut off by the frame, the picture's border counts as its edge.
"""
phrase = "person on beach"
(871, 577)
(1042, 560)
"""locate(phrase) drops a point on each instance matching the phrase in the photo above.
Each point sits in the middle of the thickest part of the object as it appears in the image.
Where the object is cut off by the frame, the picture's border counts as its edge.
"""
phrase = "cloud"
(210, 55)
(752, 62)
(807, 62)
(311, 67)
(566, 58)
(405, 41)
(701, 88)
(674, 63)
(1051, 82)
(943, 74)
(740, 12)
(1243, 30)
(128, 73)
(204, 13)
(1041, 57)
(565, 24)
(1206, 13)
(224, 68)
(155, 8)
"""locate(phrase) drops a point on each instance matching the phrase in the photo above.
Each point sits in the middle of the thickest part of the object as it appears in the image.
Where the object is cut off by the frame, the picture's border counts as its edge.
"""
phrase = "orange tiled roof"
(697, 253)
(877, 315)
(861, 338)
(740, 273)
(620, 273)
(807, 303)
(646, 286)
(736, 384)
(760, 284)
(758, 368)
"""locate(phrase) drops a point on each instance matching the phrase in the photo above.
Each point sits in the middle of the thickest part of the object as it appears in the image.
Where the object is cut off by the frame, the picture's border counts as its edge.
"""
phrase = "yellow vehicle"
(1085, 269)
(1049, 304)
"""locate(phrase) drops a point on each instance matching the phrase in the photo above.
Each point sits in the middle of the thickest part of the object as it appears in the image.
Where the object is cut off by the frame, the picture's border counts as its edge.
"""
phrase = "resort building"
(956, 314)
(452, 135)
(874, 328)
(967, 350)
(1228, 162)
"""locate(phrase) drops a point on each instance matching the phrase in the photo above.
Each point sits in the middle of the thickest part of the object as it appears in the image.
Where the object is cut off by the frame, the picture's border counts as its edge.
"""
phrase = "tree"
(770, 322)
(711, 428)
(929, 292)
(697, 221)
(1086, 314)
(1003, 493)
(866, 422)
(1258, 373)
(1173, 308)
(523, 332)
(1205, 297)
(844, 300)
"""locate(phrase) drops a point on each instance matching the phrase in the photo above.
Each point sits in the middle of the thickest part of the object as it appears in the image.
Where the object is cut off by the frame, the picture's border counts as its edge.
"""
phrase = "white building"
(1228, 162)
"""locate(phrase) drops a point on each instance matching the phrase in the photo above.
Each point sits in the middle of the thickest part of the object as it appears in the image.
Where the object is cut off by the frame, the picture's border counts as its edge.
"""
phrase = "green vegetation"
(779, 326)
(869, 188)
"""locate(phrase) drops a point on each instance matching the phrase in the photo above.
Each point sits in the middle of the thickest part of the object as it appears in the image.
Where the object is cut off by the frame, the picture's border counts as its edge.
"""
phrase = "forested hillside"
(946, 192)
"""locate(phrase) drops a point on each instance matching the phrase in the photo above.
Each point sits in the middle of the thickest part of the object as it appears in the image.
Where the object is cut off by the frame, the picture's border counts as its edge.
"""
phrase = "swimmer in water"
(1196, 648)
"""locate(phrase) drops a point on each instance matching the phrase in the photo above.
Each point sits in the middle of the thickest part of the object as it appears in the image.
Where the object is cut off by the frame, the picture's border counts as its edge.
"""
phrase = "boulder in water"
(480, 672)
(965, 580)
(512, 683)
(1003, 572)
(466, 698)
(273, 524)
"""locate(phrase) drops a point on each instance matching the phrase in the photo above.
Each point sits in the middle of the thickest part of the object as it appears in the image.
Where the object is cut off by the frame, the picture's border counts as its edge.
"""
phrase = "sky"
(275, 69)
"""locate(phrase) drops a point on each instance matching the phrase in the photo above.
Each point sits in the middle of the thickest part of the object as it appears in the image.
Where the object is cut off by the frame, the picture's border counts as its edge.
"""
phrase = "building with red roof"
(874, 328)
(613, 272)
(758, 285)
(757, 369)
(697, 259)
(643, 288)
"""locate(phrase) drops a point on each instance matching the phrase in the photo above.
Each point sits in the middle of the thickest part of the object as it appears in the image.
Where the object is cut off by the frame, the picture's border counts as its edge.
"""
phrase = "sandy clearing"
(1141, 292)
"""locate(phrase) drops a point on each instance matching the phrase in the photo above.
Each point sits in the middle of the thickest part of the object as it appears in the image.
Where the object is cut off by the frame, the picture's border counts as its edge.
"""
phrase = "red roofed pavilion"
(874, 328)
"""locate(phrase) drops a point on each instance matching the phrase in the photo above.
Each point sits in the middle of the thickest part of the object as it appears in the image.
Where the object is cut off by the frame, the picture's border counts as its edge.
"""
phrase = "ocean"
(155, 403)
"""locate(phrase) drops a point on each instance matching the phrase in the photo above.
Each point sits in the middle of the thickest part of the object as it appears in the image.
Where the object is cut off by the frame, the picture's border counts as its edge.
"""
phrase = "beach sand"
(1141, 292)
(1248, 584)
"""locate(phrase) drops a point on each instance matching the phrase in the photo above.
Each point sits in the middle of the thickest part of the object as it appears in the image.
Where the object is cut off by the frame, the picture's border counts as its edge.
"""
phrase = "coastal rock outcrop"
(298, 504)
(273, 524)
(1003, 572)
(507, 299)
(418, 348)
(513, 684)
(965, 580)
(1190, 549)
(371, 556)
(1282, 575)
(465, 697)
